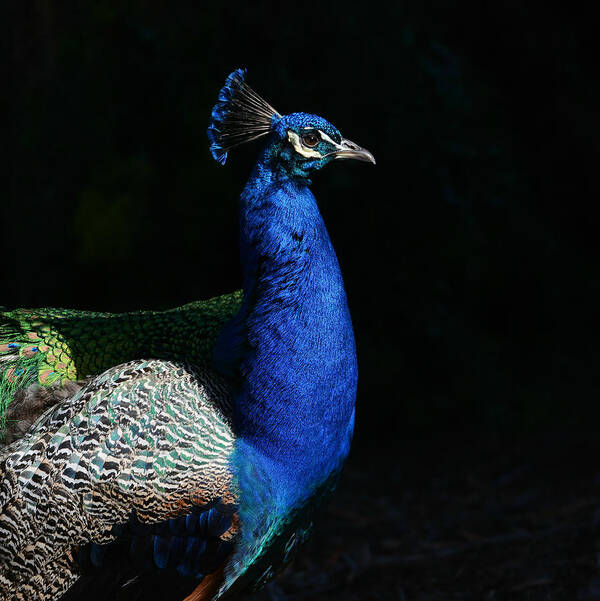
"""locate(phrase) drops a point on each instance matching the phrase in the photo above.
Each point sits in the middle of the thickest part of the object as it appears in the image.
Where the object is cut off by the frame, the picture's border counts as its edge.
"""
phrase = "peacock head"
(299, 143)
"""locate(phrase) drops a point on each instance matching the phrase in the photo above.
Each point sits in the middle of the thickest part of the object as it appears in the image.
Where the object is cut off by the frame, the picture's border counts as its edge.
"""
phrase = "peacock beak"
(350, 150)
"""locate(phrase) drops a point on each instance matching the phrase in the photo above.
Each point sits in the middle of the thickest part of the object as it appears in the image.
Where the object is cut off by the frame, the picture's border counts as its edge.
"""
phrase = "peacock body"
(195, 474)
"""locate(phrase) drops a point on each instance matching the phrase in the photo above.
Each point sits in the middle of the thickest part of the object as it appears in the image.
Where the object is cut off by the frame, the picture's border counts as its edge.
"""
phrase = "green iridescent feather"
(50, 346)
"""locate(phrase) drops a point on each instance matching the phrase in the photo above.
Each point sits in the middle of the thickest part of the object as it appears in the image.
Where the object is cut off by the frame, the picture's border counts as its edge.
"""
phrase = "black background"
(469, 251)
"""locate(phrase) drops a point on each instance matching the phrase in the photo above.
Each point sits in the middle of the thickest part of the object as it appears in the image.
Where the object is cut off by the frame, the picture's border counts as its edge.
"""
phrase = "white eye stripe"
(326, 138)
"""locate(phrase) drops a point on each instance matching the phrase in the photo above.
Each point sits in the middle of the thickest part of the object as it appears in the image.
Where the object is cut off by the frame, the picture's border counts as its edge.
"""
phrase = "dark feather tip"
(240, 115)
(220, 111)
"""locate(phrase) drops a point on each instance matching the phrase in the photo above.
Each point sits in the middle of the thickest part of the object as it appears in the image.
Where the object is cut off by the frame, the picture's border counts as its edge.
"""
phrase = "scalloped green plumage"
(47, 346)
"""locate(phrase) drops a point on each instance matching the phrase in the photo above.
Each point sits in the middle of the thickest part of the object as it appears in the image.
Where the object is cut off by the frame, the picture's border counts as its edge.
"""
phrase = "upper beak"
(350, 150)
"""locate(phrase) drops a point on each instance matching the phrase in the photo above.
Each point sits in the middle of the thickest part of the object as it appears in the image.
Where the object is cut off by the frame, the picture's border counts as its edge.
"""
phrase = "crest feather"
(239, 116)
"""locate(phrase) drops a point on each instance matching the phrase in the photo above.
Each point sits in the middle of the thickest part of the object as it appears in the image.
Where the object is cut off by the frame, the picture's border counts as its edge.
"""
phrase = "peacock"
(192, 460)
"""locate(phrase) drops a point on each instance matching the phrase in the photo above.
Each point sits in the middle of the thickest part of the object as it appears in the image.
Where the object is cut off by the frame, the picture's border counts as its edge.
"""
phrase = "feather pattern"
(119, 453)
(50, 347)
(239, 116)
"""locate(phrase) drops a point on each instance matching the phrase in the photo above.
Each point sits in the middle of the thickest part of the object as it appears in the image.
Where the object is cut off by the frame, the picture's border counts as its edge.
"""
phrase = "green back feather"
(52, 346)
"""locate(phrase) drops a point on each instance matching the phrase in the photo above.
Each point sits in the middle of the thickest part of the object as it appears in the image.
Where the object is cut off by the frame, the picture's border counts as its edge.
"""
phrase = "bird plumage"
(119, 462)
(43, 349)
(161, 479)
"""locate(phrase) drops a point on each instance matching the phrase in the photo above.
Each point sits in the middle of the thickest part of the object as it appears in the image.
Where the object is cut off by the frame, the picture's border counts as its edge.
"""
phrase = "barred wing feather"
(126, 479)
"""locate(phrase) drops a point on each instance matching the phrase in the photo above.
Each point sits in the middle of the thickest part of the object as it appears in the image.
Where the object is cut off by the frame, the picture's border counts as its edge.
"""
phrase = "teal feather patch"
(273, 525)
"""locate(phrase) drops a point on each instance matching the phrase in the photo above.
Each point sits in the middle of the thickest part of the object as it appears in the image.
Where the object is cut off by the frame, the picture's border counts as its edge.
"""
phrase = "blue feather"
(217, 522)
(161, 551)
(293, 344)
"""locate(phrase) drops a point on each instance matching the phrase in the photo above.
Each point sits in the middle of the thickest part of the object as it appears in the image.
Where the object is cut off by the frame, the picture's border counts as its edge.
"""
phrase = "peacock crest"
(239, 116)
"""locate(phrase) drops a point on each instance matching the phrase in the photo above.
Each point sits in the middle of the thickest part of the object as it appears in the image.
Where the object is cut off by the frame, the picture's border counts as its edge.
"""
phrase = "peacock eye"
(310, 139)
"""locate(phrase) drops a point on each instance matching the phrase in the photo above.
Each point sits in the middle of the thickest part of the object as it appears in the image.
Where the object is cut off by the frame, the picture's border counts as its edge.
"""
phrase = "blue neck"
(291, 344)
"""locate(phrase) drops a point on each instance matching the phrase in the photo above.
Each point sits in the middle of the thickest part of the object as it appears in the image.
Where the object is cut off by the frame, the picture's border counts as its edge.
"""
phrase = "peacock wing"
(123, 490)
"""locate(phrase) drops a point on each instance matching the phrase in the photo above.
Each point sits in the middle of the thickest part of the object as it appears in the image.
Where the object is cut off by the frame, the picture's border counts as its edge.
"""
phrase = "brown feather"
(208, 587)
(30, 403)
